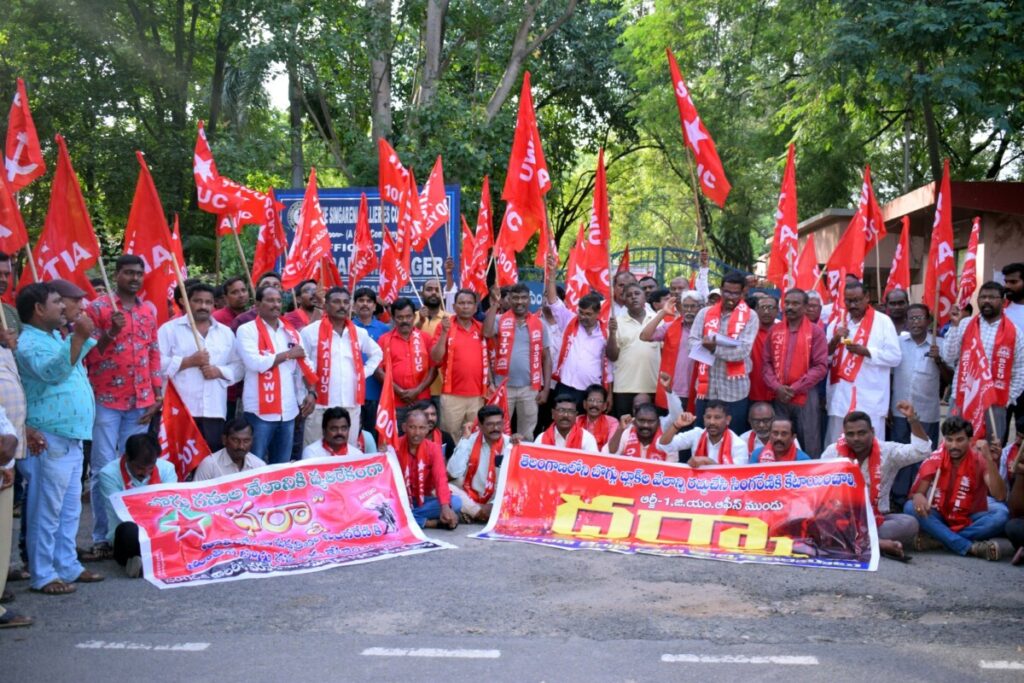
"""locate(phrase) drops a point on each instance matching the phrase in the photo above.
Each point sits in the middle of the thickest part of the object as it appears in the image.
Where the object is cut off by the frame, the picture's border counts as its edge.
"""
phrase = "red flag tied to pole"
(387, 420)
(311, 242)
(181, 442)
(783, 257)
(67, 246)
(23, 157)
(484, 237)
(940, 278)
(710, 173)
(862, 234)
(13, 237)
(575, 275)
(271, 242)
(597, 255)
(433, 206)
(392, 175)
(807, 274)
(623, 261)
(393, 273)
(363, 260)
(527, 179)
(976, 390)
(969, 274)
(899, 271)
(506, 270)
(470, 255)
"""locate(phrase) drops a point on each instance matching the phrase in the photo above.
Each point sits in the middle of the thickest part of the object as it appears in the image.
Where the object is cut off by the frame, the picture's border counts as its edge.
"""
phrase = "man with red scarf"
(638, 435)
(1003, 344)
(473, 467)
(865, 348)
(408, 346)
(342, 355)
(795, 361)
(141, 465)
(565, 431)
(422, 465)
(335, 426)
(766, 307)
(595, 418)
(672, 326)
(580, 359)
(781, 445)
(880, 461)
(725, 333)
(960, 515)
(460, 351)
(521, 355)
(712, 444)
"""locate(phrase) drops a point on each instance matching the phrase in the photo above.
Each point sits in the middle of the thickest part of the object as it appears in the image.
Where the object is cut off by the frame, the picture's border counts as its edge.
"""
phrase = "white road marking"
(429, 652)
(128, 645)
(1002, 664)
(784, 660)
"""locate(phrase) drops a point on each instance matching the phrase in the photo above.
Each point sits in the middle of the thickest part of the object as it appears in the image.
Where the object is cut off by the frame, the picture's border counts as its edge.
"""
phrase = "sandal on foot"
(98, 553)
(89, 577)
(986, 549)
(1018, 557)
(11, 619)
(56, 587)
(20, 574)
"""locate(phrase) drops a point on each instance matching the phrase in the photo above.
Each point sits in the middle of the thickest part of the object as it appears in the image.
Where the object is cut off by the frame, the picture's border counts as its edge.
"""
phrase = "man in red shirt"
(308, 307)
(409, 349)
(767, 310)
(236, 291)
(426, 479)
(461, 352)
(124, 369)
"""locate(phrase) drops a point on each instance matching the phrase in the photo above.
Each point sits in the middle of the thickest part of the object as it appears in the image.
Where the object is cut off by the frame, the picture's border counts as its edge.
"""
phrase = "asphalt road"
(518, 612)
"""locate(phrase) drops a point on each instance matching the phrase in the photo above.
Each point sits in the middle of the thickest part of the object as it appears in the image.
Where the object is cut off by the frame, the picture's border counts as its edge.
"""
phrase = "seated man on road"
(880, 462)
(713, 444)
(440, 437)
(760, 416)
(336, 424)
(422, 464)
(638, 435)
(595, 418)
(473, 467)
(565, 432)
(234, 457)
(960, 515)
(782, 446)
(1015, 501)
(141, 465)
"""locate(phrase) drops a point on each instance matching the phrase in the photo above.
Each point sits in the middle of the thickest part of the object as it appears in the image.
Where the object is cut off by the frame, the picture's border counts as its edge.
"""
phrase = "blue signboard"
(340, 207)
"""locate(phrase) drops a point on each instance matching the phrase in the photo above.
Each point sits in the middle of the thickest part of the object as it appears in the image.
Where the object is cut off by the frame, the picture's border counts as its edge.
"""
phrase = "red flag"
(311, 242)
(410, 222)
(67, 246)
(484, 234)
(545, 245)
(623, 266)
(710, 173)
(181, 442)
(13, 237)
(783, 257)
(467, 274)
(597, 255)
(148, 236)
(807, 275)
(969, 274)
(940, 278)
(329, 274)
(271, 242)
(869, 215)
(527, 179)
(251, 206)
(213, 195)
(975, 391)
(506, 269)
(863, 233)
(392, 176)
(500, 398)
(433, 206)
(23, 157)
(575, 276)
(393, 274)
(899, 271)
(363, 260)
(387, 420)
(839, 299)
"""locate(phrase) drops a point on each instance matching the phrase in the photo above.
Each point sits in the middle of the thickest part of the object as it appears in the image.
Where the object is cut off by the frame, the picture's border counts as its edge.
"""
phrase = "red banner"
(811, 514)
(277, 520)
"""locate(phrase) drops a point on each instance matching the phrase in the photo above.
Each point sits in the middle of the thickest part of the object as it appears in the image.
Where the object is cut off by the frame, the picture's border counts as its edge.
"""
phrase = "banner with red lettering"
(274, 521)
(809, 514)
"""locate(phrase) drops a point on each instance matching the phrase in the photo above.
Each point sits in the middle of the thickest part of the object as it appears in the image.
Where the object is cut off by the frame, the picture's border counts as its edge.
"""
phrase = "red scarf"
(778, 344)
(669, 356)
(568, 338)
(846, 365)
(1001, 361)
(270, 380)
(961, 490)
(768, 454)
(341, 451)
(752, 441)
(602, 428)
(635, 449)
(418, 350)
(325, 339)
(474, 333)
(506, 336)
(874, 470)
(573, 440)
(724, 448)
(154, 477)
(415, 485)
(473, 465)
(302, 316)
(735, 369)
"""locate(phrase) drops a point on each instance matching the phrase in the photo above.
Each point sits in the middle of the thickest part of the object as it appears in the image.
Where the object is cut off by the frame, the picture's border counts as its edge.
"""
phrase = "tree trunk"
(221, 46)
(380, 70)
(433, 46)
(295, 124)
(931, 130)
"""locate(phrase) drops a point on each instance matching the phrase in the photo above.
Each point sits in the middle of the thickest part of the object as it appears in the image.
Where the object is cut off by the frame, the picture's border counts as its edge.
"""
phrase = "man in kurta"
(473, 468)
(636, 361)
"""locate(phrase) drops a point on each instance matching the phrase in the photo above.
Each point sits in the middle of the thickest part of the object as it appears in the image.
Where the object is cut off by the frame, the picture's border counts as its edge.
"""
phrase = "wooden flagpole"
(185, 302)
(106, 280)
(241, 254)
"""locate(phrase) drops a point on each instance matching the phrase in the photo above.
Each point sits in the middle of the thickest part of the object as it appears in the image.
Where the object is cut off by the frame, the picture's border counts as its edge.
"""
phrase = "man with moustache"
(203, 374)
(307, 305)
(364, 309)
(235, 455)
(896, 303)
(781, 445)
(917, 378)
(335, 427)
(639, 436)
(760, 417)
(767, 310)
(473, 467)
(1003, 345)
(712, 444)
(564, 431)
(672, 326)
(10, 313)
(1013, 290)
(595, 418)
(636, 361)
(423, 468)
(430, 315)
(236, 293)
(408, 346)
(268, 279)
(460, 351)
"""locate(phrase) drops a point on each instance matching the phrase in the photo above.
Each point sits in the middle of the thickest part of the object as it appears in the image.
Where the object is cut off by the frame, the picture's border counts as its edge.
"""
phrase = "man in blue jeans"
(960, 515)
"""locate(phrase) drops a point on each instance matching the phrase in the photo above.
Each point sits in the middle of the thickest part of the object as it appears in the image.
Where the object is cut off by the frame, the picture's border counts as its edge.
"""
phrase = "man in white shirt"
(335, 427)
(564, 431)
(234, 457)
(760, 418)
(636, 362)
(275, 390)
(201, 375)
(473, 467)
(1013, 281)
(864, 349)
(341, 363)
(714, 444)
(918, 376)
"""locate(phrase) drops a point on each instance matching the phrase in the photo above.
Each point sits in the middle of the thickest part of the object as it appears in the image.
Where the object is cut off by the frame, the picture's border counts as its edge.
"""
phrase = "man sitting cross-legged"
(473, 468)
(141, 465)
(422, 464)
(336, 423)
(714, 444)
(234, 457)
(782, 445)
(960, 514)
(565, 431)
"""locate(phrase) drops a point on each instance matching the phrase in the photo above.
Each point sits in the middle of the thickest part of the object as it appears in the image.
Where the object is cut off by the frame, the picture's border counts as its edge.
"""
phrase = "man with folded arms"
(564, 431)
(234, 457)
(712, 444)
(473, 468)
(335, 426)
(422, 465)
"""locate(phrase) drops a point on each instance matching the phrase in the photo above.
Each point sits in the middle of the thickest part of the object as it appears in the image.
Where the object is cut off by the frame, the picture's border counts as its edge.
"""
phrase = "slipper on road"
(55, 587)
